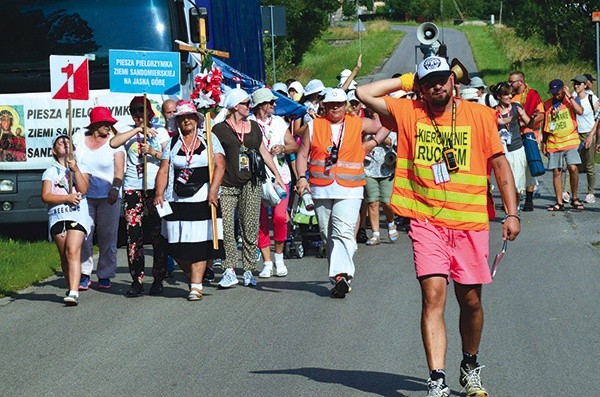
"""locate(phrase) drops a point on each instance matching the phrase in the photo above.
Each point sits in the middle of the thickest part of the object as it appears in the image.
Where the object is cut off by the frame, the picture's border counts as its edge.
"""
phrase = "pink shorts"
(460, 254)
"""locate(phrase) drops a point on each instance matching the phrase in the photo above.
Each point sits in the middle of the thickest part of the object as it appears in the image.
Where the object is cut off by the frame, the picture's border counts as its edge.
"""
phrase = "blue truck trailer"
(32, 30)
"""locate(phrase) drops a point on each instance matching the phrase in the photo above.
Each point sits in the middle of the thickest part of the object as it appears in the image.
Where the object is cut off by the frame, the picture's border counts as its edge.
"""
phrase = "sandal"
(195, 294)
(556, 207)
(577, 204)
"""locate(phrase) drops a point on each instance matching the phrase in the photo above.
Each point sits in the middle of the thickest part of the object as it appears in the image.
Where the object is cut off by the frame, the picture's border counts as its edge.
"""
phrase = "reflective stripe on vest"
(564, 136)
(349, 170)
(461, 204)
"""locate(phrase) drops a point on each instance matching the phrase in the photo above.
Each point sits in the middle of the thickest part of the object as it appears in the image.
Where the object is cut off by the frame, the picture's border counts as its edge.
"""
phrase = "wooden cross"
(203, 51)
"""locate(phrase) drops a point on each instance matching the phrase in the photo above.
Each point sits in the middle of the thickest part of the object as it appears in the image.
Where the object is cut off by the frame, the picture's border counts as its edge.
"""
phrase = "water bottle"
(308, 201)
(281, 192)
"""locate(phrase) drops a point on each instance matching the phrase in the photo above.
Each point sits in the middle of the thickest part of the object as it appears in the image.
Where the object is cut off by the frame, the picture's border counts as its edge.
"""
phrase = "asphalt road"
(404, 58)
(287, 337)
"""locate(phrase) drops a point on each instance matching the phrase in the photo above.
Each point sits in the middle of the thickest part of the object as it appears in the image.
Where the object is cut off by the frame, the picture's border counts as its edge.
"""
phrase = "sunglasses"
(139, 110)
(247, 104)
(432, 81)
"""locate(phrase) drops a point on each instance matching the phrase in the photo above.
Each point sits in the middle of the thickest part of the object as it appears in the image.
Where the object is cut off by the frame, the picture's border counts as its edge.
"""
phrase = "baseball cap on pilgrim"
(580, 78)
(335, 95)
(433, 66)
(555, 86)
(589, 77)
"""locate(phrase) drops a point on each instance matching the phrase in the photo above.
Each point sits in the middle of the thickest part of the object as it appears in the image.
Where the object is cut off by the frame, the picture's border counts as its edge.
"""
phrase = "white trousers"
(105, 221)
(337, 221)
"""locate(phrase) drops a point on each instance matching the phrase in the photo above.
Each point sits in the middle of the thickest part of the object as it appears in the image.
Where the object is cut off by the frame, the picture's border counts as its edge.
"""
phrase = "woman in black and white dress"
(183, 182)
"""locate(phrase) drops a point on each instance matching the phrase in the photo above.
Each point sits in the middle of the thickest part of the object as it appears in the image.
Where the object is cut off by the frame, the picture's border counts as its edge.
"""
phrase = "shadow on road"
(319, 288)
(377, 383)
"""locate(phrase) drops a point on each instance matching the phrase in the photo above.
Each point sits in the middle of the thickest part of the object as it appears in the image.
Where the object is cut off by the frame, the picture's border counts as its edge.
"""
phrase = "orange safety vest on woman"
(460, 203)
(349, 171)
(560, 125)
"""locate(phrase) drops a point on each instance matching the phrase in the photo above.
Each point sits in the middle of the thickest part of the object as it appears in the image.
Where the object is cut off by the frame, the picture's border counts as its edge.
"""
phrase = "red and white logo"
(69, 77)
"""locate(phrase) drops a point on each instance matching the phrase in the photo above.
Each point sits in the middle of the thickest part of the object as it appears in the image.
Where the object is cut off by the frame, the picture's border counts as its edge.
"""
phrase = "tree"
(567, 25)
(369, 4)
(348, 8)
(306, 20)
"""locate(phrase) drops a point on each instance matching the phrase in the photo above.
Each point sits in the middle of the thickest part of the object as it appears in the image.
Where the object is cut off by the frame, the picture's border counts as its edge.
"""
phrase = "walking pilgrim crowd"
(418, 147)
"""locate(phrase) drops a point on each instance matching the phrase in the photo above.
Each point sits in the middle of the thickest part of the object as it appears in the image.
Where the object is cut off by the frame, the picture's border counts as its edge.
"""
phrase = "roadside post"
(149, 72)
(360, 27)
(69, 79)
(273, 25)
(596, 20)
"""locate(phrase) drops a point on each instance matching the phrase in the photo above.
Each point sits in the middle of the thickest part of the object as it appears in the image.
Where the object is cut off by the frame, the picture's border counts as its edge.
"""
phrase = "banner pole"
(211, 172)
(145, 132)
(71, 156)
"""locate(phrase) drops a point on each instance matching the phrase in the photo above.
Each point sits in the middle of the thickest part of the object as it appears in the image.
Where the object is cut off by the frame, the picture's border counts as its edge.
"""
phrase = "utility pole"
(596, 20)
(458, 10)
(500, 16)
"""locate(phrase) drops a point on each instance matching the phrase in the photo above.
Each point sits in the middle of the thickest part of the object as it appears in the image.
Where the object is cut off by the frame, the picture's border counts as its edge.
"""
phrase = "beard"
(440, 102)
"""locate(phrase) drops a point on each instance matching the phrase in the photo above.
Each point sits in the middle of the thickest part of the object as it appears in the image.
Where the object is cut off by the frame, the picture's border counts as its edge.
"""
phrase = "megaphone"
(461, 73)
(427, 33)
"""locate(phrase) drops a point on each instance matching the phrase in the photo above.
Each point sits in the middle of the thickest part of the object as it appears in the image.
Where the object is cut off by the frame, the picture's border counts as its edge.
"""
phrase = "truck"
(32, 30)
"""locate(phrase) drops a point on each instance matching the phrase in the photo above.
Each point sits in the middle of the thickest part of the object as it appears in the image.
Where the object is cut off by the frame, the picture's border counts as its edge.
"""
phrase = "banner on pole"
(150, 72)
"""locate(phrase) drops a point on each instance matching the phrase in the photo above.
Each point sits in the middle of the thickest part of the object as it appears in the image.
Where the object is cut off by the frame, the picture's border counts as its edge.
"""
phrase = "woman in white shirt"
(64, 186)
(279, 142)
(138, 188)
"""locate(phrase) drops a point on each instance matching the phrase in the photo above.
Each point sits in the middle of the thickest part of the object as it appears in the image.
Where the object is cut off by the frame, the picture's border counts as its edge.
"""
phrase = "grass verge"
(24, 263)
(338, 49)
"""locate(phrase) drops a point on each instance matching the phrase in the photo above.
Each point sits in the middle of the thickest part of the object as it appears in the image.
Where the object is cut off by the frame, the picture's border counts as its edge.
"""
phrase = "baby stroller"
(303, 232)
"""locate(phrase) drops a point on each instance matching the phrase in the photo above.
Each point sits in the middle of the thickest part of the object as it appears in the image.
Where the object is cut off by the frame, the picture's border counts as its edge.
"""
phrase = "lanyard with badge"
(243, 160)
(554, 114)
(267, 132)
(184, 174)
(139, 168)
(334, 149)
(442, 170)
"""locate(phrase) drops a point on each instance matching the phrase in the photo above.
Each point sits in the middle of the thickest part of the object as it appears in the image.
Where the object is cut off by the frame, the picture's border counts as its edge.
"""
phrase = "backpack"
(488, 103)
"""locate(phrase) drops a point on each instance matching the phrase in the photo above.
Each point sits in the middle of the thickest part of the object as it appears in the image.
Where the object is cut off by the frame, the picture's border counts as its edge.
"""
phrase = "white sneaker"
(71, 300)
(393, 233)
(229, 279)
(249, 280)
(437, 388)
(280, 269)
(374, 241)
(566, 197)
(590, 198)
(470, 379)
(267, 270)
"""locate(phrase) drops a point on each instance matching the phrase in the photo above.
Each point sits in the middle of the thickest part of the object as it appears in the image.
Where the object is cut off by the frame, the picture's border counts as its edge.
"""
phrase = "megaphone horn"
(427, 33)
(461, 73)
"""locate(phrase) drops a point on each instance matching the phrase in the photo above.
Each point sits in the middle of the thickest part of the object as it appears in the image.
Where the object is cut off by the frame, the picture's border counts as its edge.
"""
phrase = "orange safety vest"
(349, 171)
(462, 202)
(560, 127)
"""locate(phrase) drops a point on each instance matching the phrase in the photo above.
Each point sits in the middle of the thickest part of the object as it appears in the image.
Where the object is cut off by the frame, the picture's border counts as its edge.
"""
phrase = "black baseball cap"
(589, 77)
